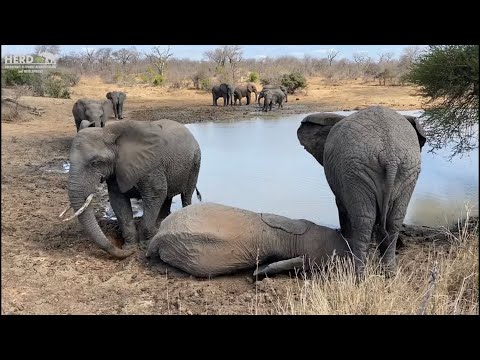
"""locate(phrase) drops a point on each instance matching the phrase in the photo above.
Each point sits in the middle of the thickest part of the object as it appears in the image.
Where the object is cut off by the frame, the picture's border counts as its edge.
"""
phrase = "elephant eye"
(96, 162)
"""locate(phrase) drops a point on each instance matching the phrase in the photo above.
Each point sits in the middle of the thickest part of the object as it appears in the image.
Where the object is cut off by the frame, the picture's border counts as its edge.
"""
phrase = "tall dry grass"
(431, 279)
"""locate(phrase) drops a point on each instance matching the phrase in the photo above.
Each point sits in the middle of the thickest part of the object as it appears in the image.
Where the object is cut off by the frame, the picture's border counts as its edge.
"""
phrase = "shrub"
(13, 77)
(205, 84)
(253, 77)
(293, 81)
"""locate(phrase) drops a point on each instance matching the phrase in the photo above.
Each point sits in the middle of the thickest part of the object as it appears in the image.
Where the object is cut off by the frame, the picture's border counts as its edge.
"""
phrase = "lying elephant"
(210, 239)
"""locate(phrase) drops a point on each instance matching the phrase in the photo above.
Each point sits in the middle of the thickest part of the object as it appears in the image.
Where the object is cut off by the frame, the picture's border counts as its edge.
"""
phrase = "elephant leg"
(165, 209)
(248, 99)
(362, 211)
(115, 110)
(345, 226)
(214, 100)
(154, 194)
(122, 208)
(120, 111)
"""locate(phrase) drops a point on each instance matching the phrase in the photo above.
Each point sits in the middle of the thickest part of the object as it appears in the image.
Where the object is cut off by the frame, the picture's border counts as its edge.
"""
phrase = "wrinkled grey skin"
(271, 87)
(211, 239)
(371, 161)
(153, 161)
(117, 98)
(274, 96)
(225, 91)
(244, 91)
(91, 110)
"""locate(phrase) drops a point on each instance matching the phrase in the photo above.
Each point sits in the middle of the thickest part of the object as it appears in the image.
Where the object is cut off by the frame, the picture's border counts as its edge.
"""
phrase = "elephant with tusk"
(153, 161)
(211, 239)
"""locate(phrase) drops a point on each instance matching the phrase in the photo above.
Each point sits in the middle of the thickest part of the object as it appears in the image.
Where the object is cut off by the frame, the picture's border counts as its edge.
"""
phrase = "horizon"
(196, 52)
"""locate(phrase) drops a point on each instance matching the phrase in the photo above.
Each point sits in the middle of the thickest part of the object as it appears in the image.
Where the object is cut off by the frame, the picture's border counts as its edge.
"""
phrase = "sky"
(195, 52)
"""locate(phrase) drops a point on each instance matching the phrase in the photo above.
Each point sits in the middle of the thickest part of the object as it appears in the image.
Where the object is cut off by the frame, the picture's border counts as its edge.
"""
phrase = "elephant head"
(252, 88)
(314, 130)
(98, 154)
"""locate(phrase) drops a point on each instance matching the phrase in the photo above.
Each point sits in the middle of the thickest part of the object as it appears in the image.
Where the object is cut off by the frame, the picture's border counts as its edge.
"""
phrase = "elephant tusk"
(64, 211)
(82, 209)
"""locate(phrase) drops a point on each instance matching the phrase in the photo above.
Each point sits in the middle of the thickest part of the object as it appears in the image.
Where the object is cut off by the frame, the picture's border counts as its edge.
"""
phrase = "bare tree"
(103, 56)
(360, 59)
(217, 55)
(234, 55)
(52, 49)
(385, 57)
(126, 56)
(331, 54)
(159, 58)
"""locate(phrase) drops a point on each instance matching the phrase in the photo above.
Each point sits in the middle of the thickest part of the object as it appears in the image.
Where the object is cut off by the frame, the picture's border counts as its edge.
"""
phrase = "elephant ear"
(122, 96)
(422, 137)
(323, 118)
(107, 107)
(139, 145)
(295, 227)
(314, 130)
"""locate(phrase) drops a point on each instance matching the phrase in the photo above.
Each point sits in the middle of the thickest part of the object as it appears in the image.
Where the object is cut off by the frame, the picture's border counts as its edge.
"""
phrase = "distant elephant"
(372, 162)
(211, 239)
(274, 96)
(271, 87)
(91, 110)
(244, 91)
(117, 98)
(225, 91)
(152, 161)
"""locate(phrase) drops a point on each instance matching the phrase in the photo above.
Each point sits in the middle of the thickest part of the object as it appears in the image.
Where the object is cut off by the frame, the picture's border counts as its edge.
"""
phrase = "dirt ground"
(49, 267)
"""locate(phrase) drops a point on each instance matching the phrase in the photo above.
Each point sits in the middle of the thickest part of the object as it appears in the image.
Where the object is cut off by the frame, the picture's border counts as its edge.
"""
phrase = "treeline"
(226, 64)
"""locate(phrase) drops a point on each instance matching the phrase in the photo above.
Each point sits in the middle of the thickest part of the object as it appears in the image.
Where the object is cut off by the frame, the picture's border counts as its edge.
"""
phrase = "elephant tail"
(199, 196)
(391, 173)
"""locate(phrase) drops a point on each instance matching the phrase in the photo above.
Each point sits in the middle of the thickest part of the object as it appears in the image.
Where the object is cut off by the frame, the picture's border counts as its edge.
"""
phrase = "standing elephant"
(94, 111)
(152, 161)
(212, 239)
(274, 96)
(244, 91)
(372, 161)
(271, 87)
(225, 91)
(117, 98)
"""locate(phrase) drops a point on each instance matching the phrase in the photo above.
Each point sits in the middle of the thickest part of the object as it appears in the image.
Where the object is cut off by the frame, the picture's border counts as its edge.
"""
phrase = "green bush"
(205, 84)
(293, 82)
(56, 87)
(253, 77)
(12, 77)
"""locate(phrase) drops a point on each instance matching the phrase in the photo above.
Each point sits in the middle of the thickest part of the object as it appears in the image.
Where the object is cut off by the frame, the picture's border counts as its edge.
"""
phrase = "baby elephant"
(275, 96)
(210, 239)
(95, 112)
(117, 98)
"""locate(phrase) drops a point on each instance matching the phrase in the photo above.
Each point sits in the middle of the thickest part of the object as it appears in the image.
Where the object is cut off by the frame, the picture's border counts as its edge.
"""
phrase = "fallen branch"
(32, 110)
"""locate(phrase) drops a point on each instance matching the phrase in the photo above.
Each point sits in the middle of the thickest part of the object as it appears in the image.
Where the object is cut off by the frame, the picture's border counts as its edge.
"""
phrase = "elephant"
(244, 91)
(152, 161)
(210, 239)
(91, 110)
(117, 98)
(270, 87)
(225, 91)
(372, 161)
(274, 96)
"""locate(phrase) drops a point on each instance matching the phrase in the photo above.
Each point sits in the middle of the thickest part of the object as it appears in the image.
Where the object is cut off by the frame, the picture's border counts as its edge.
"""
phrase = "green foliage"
(205, 84)
(448, 79)
(253, 77)
(153, 77)
(12, 77)
(293, 82)
(50, 83)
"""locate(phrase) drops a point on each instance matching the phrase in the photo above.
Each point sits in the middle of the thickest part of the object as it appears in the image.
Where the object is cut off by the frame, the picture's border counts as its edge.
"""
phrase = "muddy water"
(259, 165)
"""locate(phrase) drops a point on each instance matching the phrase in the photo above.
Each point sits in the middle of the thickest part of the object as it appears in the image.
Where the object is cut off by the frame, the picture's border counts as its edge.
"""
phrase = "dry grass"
(431, 279)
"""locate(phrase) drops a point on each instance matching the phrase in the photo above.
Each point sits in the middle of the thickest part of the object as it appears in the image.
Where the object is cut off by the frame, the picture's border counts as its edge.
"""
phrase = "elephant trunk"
(90, 224)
